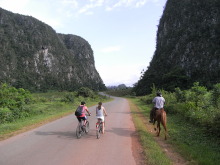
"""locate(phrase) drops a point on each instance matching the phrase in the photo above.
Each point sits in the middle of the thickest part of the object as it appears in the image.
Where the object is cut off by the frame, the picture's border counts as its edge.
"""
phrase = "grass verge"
(152, 151)
(191, 141)
(187, 138)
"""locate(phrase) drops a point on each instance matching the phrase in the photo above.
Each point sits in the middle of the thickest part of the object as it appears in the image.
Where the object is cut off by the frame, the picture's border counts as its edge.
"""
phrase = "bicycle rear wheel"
(87, 127)
(78, 131)
(98, 132)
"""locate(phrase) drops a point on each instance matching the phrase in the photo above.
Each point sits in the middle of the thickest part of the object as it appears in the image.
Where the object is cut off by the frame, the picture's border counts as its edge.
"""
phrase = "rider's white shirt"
(158, 102)
(100, 113)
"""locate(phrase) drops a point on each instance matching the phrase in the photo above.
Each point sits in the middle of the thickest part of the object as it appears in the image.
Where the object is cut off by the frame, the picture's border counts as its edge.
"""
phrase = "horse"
(160, 117)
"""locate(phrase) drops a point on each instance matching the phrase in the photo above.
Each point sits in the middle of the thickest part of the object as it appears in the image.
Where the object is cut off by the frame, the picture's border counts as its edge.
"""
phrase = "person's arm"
(154, 101)
(87, 111)
(104, 111)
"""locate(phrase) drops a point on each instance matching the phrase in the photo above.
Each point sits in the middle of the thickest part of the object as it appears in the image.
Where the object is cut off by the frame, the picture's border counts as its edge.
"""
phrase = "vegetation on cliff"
(187, 48)
(34, 57)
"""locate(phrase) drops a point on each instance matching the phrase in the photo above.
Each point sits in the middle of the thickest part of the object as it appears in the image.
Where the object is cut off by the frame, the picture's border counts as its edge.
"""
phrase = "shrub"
(216, 95)
(68, 98)
(12, 101)
(5, 115)
(197, 105)
(85, 92)
(11, 97)
(180, 95)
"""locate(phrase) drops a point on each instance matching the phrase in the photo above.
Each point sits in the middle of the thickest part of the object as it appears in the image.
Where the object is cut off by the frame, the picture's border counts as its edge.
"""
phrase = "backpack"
(78, 111)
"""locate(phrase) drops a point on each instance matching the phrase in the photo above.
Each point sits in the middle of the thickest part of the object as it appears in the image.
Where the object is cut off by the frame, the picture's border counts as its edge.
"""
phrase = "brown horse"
(161, 117)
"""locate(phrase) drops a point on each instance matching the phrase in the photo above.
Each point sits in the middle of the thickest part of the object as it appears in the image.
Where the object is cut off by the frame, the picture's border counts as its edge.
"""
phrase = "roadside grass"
(191, 141)
(47, 108)
(45, 113)
(187, 138)
(152, 151)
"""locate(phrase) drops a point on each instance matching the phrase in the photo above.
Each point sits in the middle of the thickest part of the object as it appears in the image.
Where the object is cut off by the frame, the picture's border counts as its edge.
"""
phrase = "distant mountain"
(33, 56)
(187, 48)
(118, 87)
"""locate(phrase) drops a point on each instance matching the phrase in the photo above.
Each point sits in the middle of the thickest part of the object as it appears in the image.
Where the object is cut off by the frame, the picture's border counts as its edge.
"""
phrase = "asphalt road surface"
(56, 144)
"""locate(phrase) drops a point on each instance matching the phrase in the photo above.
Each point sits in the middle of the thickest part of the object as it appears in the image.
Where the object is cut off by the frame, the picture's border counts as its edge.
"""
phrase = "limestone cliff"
(187, 48)
(33, 56)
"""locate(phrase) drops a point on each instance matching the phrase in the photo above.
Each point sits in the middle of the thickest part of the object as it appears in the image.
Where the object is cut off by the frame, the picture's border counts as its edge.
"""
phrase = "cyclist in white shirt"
(100, 112)
(159, 102)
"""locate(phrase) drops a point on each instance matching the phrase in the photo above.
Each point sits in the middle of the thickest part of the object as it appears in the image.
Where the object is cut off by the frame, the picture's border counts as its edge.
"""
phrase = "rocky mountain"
(187, 48)
(33, 56)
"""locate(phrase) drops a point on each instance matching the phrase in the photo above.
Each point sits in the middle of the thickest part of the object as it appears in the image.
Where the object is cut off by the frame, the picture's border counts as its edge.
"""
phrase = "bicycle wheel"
(87, 127)
(78, 131)
(98, 132)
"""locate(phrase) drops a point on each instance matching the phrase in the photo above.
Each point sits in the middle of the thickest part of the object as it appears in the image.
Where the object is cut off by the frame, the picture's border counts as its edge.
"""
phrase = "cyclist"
(100, 112)
(83, 115)
(159, 102)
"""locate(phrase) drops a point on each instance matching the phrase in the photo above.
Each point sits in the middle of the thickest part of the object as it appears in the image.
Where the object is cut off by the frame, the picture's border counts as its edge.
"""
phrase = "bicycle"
(99, 128)
(81, 129)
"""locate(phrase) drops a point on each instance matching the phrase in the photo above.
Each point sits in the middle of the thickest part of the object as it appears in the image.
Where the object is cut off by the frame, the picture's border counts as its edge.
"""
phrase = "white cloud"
(141, 3)
(110, 5)
(15, 6)
(111, 49)
(128, 3)
(71, 3)
(124, 3)
(93, 4)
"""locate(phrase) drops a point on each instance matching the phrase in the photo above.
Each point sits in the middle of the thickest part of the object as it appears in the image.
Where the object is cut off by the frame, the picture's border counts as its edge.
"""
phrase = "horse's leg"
(158, 127)
(154, 125)
(165, 128)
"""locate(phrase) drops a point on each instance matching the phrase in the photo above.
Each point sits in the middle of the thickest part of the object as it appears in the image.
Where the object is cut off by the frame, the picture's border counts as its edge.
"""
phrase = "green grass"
(192, 142)
(188, 139)
(44, 112)
(152, 151)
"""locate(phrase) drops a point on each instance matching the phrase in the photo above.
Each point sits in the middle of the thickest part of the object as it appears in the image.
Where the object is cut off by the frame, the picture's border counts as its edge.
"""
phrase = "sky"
(122, 33)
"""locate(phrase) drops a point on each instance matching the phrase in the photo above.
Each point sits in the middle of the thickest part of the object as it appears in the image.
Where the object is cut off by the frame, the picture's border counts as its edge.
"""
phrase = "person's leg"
(103, 127)
(97, 123)
(151, 115)
(98, 120)
(85, 119)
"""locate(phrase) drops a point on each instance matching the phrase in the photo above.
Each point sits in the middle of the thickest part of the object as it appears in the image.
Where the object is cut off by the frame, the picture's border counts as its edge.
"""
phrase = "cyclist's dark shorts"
(81, 118)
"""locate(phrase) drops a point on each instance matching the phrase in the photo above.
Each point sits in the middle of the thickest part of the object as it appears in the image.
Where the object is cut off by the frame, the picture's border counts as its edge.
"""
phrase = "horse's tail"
(164, 121)
(163, 118)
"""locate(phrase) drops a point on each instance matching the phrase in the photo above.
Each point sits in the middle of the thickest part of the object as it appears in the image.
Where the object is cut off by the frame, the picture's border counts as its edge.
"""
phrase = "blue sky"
(122, 33)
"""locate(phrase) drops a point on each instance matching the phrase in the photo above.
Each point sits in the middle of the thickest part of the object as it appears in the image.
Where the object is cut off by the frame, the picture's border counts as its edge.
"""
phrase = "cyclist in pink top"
(83, 116)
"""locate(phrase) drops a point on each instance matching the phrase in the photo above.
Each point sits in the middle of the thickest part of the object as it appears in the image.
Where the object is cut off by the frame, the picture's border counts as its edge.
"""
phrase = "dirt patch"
(137, 149)
(175, 157)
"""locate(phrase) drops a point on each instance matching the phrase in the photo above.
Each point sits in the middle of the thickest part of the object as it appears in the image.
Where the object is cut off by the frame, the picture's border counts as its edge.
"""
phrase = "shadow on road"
(121, 131)
(69, 135)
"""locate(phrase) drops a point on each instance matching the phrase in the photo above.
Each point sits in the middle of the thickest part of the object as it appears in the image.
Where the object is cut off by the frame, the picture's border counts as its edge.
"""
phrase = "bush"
(180, 95)
(197, 105)
(216, 95)
(5, 115)
(11, 97)
(68, 98)
(12, 102)
(85, 92)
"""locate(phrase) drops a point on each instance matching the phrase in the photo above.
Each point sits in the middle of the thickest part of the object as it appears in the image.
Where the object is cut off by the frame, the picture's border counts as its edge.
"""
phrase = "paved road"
(56, 144)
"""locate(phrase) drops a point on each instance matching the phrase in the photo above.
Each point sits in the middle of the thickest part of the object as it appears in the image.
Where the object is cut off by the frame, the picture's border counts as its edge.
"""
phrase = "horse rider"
(158, 102)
